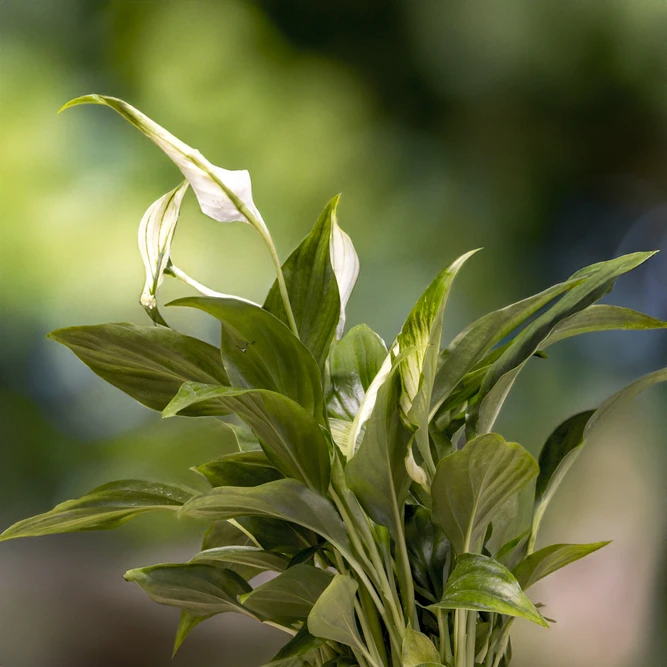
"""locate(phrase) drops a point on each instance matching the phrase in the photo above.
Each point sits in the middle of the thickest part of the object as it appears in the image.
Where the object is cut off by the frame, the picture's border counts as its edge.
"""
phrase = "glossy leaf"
(285, 499)
(289, 597)
(544, 562)
(243, 555)
(353, 363)
(106, 507)
(418, 649)
(302, 644)
(224, 195)
(429, 551)
(602, 318)
(156, 233)
(472, 484)
(312, 288)
(596, 281)
(376, 473)
(332, 617)
(150, 363)
(197, 588)
(565, 444)
(476, 340)
(479, 583)
(291, 439)
(239, 469)
(421, 333)
(260, 352)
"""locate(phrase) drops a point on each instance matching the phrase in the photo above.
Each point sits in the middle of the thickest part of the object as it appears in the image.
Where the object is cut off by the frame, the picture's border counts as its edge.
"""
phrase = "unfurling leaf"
(332, 617)
(345, 264)
(289, 597)
(260, 352)
(106, 507)
(550, 559)
(418, 649)
(471, 486)
(479, 583)
(312, 288)
(156, 232)
(148, 363)
(224, 195)
(291, 439)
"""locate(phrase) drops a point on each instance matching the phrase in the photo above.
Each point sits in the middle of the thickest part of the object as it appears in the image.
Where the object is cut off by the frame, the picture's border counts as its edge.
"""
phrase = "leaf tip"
(83, 99)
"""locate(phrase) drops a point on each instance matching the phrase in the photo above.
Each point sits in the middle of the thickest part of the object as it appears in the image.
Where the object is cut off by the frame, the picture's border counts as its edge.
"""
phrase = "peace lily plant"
(368, 478)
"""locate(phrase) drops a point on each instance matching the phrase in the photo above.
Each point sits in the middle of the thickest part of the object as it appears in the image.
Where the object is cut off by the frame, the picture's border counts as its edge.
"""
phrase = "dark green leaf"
(472, 485)
(566, 442)
(106, 507)
(377, 473)
(333, 617)
(479, 583)
(597, 280)
(429, 550)
(353, 363)
(545, 561)
(289, 597)
(239, 469)
(418, 649)
(260, 352)
(290, 437)
(199, 589)
(277, 535)
(149, 363)
(312, 288)
(285, 499)
(302, 644)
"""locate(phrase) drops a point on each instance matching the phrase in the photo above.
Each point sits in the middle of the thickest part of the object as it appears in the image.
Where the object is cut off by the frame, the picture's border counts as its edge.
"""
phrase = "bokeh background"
(534, 128)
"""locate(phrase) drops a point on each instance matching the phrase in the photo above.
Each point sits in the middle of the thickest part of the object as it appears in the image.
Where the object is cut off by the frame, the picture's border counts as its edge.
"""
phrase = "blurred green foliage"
(534, 128)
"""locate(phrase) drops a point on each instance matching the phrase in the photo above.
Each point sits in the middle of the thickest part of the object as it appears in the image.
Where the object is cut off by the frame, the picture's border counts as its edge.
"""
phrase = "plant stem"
(175, 272)
(471, 631)
(445, 643)
(460, 632)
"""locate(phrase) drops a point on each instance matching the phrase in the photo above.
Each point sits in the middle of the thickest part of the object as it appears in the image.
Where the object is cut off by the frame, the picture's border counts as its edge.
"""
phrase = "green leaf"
(149, 363)
(285, 499)
(546, 561)
(244, 555)
(596, 281)
(421, 333)
(377, 473)
(224, 195)
(289, 597)
(302, 644)
(602, 318)
(312, 288)
(565, 444)
(476, 340)
(429, 551)
(260, 352)
(156, 233)
(230, 534)
(199, 589)
(106, 507)
(479, 583)
(277, 535)
(418, 649)
(332, 616)
(353, 363)
(471, 486)
(291, 439)
(186, 625)
(239, 469)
